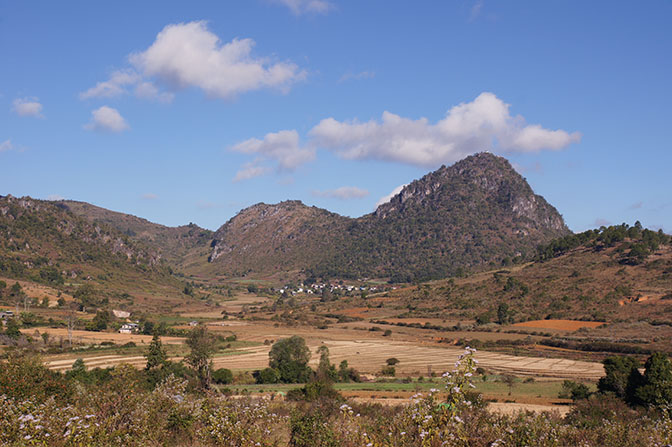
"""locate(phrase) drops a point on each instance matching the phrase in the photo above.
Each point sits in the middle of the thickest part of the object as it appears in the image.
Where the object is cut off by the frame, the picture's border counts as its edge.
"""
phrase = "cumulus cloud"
(28, 107)
(299, 7)
(6, 146)
(251, 170)
(189, 55)
(121, 82)
(147, 90)
(388, 197)
(343, 193)
(483, 124)
(115, 86)
(282, 148)
(107, 119)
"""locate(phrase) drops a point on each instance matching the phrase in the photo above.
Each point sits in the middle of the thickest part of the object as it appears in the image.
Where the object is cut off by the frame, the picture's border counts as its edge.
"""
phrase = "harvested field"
(370, 356)
(512, 408)
(563, 325)
(99, 337)
(366, 356)
(98, 361)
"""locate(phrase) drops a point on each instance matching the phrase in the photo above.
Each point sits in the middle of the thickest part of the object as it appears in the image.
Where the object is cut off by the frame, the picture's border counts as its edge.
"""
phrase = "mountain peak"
(483, 171)
(477, 210)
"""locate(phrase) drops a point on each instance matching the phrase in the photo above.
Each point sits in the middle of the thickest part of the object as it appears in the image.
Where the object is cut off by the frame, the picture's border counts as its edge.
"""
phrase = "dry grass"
(563, 325)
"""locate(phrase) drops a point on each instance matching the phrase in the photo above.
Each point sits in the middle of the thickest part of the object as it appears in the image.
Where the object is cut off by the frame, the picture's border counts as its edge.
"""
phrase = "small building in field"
(129, 328)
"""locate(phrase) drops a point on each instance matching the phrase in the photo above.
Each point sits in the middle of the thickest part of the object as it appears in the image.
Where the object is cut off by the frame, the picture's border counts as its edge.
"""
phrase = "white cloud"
(281, 147)
(55, 197)
(148, 90)
(106, 119)
(189, 55)
(149, 196)
(483, 124)
(115, 86)
(251, 170)
(349, 75)
(343, 193)
(388, 197)
(475, 10)
(6, 146)
(28, 107)
(120, 83)
(299, 7)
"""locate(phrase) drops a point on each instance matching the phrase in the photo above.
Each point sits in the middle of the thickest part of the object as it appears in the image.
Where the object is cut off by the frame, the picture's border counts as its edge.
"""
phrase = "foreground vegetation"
(173, 404)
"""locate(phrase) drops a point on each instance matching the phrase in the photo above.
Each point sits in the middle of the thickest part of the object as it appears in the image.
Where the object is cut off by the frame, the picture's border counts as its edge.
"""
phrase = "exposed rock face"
(476, 211)
(481, 177)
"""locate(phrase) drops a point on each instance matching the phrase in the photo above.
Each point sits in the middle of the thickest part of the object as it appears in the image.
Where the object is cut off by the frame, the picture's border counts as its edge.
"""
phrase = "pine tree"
(156, 355)
(202, 346)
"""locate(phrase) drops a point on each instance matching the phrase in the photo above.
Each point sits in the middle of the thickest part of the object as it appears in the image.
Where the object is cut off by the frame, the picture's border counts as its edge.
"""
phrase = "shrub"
(311, 430)
(268, 375)
(388, 371)
(222, 376)
(574, 390)
(23, 377)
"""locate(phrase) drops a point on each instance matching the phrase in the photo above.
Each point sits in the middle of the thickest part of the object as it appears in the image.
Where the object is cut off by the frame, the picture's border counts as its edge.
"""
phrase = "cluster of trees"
(288, 363)
(624, 380)
(642, 242)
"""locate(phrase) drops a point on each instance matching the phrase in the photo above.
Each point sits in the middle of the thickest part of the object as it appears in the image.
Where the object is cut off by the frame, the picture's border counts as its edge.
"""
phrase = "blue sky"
(189, 111)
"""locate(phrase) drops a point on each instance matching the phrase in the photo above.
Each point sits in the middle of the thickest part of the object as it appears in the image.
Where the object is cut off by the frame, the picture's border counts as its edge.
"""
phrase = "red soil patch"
(355, 312)
(563, 325)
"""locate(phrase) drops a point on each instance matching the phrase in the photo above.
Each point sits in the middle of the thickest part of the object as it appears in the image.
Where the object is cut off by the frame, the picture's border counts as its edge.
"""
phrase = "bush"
(388, 371)
(222, 376)
(574, 390)
(268, 375)
(26, 377)
(311, 430)
(313, 391)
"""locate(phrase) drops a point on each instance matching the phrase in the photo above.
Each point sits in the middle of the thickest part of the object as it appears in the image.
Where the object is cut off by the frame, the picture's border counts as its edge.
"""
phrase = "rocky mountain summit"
(479, 211)
(476, 211)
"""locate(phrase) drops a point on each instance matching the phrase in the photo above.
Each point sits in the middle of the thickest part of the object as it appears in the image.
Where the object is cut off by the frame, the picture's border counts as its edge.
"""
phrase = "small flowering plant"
(458, 382)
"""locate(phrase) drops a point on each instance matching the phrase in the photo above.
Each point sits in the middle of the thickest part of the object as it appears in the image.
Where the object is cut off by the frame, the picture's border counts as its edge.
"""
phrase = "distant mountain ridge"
(41, 240)
(174, 244)
(476, 211)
